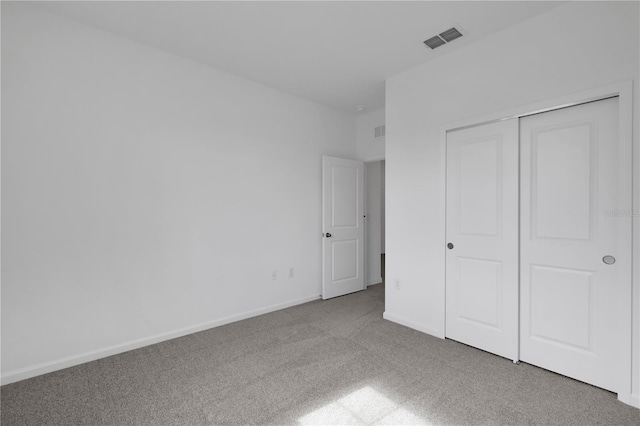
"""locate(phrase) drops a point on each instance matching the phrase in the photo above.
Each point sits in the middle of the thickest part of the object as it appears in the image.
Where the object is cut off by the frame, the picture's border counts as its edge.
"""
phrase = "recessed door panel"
(569, 179)
(345, 196)
(563, 177)
(480, 186)
(561, 306)
(482, 229)
(480, 295)
(345, 260)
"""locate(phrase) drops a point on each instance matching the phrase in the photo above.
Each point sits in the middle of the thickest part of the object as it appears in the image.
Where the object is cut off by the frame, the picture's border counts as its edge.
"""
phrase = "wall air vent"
(443, 38)
(380, 131)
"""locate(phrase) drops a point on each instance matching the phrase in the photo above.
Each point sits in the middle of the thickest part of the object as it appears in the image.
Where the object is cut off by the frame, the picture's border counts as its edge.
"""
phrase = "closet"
(533, 252)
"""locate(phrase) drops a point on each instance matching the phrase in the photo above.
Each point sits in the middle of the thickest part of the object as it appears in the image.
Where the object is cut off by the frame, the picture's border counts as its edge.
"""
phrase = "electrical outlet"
(291, 271)
(274, 275)
(397, 284)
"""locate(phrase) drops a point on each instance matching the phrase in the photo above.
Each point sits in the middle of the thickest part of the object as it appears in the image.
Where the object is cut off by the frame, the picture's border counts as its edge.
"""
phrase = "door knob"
(450, 246)
(609, 260)
(328, 235)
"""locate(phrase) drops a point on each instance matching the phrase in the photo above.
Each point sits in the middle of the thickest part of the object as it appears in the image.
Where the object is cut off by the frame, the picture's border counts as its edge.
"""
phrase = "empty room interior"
(320, 212)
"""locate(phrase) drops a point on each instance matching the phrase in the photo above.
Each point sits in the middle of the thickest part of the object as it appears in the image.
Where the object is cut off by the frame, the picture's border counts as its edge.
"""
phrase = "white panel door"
(342, 226)
(482, 236)
(569, 180)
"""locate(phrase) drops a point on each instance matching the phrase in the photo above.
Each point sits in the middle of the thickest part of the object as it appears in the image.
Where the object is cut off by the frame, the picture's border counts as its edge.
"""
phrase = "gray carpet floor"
(324, 362)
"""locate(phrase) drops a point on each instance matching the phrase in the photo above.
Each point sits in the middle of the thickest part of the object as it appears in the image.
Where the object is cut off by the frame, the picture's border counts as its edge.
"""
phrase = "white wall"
(146, 196)
(575, 47)
(370, 148)
(373, 178)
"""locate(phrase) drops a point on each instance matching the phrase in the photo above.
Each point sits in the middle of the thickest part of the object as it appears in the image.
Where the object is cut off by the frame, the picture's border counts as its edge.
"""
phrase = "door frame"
(627, 274)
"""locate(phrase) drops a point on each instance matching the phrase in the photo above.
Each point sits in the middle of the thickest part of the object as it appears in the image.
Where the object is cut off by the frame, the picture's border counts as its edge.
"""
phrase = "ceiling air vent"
(380, 131)
(434, 42)
(443, 38)
(450, 35)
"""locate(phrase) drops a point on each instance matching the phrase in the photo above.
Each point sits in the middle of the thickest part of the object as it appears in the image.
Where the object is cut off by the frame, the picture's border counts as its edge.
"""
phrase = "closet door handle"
(609, 260)
(449, 246)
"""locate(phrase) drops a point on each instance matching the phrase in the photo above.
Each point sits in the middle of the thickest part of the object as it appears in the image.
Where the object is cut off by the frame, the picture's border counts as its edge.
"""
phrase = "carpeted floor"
(324, 362)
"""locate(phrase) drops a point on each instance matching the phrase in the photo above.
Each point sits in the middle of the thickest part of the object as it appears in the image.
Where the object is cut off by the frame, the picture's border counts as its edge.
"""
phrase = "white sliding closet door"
(482, 232)
(569, 180)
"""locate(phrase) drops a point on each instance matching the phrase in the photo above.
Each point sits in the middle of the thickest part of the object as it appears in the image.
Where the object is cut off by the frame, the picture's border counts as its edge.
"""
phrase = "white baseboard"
(412, 324)
(635, 400)
(59, 364)
(374, 281)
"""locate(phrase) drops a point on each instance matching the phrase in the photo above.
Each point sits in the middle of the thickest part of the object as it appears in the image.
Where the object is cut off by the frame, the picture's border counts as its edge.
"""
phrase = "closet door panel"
(568, 294)
(482, 232)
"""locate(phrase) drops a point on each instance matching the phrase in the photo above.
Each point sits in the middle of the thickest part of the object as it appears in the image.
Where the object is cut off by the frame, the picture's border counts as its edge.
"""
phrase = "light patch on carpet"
(365, 406)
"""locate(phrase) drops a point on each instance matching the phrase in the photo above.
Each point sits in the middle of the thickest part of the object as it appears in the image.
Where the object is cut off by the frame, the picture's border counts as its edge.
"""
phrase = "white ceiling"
(334, 53)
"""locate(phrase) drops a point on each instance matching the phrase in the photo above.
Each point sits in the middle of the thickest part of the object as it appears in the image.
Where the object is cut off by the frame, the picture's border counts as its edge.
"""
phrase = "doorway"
(375, 221)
